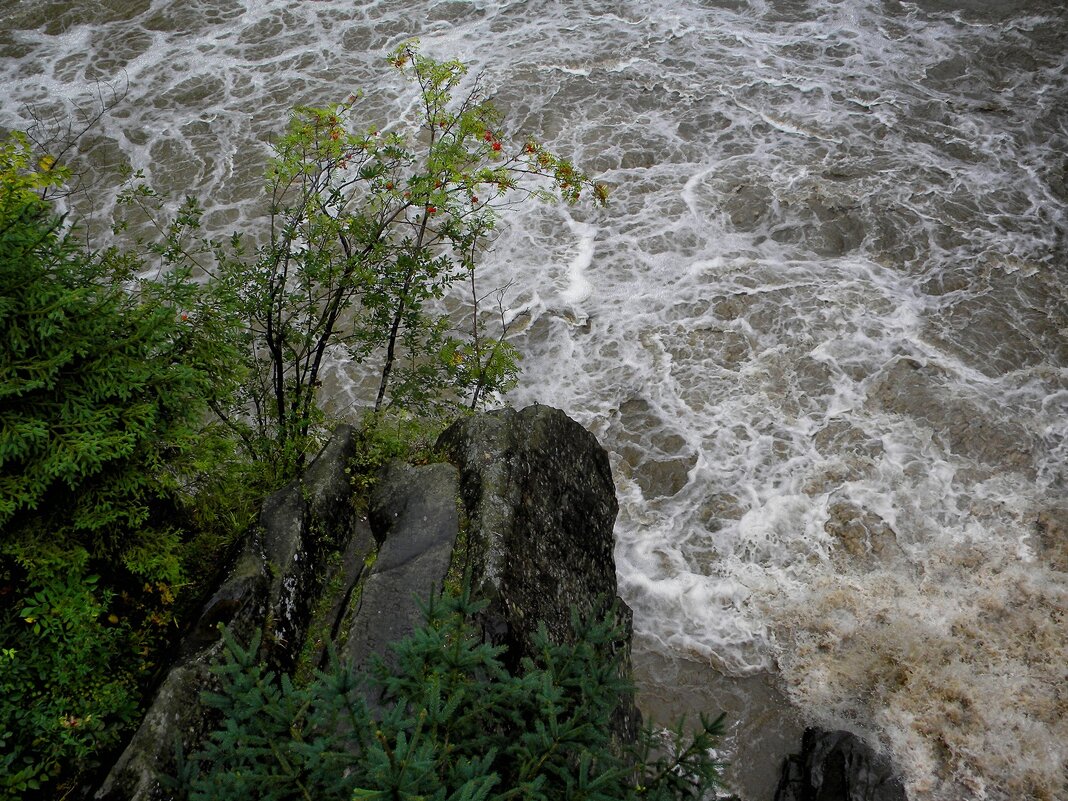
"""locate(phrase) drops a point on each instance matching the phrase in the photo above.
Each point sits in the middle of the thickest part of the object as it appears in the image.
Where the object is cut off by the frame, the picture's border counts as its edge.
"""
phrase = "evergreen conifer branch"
(453, 723)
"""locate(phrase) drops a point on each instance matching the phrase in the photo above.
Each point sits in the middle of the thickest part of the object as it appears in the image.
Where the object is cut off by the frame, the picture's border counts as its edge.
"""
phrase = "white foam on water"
(578, 285)
(822, 329)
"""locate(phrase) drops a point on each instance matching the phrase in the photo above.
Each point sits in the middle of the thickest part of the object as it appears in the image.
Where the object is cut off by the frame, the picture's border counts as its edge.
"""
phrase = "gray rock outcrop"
(414, 518)
(540, 503)
(270, 589)
(526, 507)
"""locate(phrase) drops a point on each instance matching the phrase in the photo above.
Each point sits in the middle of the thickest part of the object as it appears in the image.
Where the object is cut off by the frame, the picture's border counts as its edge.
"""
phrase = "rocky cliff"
(525, 505)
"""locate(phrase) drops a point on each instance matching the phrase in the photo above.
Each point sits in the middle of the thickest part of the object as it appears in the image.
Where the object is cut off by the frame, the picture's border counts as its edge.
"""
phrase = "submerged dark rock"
(838, 766)
(926, 392)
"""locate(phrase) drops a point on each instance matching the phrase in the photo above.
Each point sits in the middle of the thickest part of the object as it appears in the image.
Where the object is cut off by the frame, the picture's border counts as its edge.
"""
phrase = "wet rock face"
(540, 503)
(415, 520)
(270, 589)
(538, 493)
(837, 766)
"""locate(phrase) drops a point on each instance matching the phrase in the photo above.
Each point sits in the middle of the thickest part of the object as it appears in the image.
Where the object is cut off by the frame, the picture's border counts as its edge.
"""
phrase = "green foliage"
(61, 698)
(373, 240)
(393, 434)
(114, 491)
(103, 388)
(448, 722)
(99, 398)
(25, 183)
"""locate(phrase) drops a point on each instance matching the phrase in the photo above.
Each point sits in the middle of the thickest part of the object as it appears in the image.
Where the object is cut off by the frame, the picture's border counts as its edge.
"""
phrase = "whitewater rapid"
(822, 328)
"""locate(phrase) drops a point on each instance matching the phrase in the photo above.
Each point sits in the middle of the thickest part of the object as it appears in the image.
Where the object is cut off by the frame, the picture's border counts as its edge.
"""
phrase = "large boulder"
(540, 503)
(838, 766)
(536, 494)
(538, 542)
(526, 508)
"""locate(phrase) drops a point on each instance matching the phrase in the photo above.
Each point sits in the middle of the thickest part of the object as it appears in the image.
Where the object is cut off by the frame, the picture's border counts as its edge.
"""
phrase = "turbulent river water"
(822, 328)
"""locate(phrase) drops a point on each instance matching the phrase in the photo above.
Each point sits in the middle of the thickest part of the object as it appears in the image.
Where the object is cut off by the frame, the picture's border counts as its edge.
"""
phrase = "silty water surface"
(822, 329)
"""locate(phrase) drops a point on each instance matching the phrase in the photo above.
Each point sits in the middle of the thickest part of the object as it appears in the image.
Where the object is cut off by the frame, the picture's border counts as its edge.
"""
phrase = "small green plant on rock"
(385, 436)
